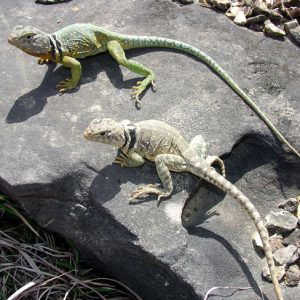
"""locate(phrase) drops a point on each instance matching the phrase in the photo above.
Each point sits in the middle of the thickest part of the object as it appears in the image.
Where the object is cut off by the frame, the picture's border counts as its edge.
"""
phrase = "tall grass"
(36, 264)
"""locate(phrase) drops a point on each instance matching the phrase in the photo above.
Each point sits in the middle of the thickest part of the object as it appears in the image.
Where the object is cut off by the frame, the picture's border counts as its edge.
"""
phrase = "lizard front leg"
(70, 83)
(42, 61)
(116, 51)
(130, 159)
(164, 163)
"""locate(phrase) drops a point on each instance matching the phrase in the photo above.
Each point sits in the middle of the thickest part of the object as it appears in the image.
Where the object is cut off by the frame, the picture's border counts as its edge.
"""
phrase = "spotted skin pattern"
(165, 146)
(75, 41)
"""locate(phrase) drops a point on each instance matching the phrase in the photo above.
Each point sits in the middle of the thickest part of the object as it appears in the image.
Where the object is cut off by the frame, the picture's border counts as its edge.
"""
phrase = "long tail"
(216, 179)
(149, 41)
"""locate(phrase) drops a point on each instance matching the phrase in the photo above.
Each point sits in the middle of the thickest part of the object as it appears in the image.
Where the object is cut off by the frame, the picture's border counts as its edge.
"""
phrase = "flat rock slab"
(70, 186)
(281, 221)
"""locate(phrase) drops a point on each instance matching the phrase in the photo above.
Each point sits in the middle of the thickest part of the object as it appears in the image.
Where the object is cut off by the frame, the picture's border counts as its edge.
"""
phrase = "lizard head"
(106, 131)
(31, 40)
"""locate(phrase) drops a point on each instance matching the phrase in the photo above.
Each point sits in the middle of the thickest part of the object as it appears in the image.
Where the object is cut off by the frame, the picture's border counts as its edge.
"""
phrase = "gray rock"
(290, 205)
(272, 30)
(69, 185)
(292, 276)
(293, 238)
(292, 29)
(276, 242)
(280, 272)
(286, 256)
(256, 240)
(281, 221)
(256, 19)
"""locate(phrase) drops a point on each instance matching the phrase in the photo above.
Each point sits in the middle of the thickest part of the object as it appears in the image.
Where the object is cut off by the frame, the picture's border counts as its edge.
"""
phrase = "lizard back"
(82, 40)
(155, 137)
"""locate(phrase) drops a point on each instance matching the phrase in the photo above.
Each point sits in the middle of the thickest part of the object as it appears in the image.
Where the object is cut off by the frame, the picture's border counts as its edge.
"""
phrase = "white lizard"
(163, 144)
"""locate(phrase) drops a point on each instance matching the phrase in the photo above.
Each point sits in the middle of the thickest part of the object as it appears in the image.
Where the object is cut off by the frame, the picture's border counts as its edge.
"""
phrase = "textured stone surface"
(281, 221)
(292, 277)
(286, 256)
(292, 28)
(70, 186)
(293, 238)
(280, 270)
(257, 241)
(276, 242)
(289, 205)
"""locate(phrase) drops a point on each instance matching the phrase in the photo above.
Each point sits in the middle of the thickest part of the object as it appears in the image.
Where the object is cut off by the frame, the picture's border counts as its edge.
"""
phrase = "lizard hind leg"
(164, 163)
(199, 145)
(210, 160)
(116, 51)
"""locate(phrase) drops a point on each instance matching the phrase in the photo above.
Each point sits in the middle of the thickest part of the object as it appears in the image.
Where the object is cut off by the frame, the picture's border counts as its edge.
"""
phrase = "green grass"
(36, 264)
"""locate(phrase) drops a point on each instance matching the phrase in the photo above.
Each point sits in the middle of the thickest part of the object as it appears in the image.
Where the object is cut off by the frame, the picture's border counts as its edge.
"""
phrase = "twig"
(226, 288)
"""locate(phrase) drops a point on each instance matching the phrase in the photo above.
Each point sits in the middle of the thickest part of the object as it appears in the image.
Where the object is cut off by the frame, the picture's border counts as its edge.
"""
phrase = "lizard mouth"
(87, 134)
(11, 41)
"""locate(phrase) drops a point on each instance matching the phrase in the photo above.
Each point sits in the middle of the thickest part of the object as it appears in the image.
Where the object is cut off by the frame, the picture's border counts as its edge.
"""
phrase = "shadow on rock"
(207, 234)
(33, 102)
(247, 154)
(45, 2)
(107, 183)
(277, 171)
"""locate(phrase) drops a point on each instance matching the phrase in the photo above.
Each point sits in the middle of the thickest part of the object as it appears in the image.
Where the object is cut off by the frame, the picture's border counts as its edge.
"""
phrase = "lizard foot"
(145, 190)
(137, 91)
(122, 160)
(66, 85)
(42, 61)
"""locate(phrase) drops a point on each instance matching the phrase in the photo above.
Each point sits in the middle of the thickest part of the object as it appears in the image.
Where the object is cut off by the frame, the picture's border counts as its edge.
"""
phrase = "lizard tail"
(148, 41)
(216, 179)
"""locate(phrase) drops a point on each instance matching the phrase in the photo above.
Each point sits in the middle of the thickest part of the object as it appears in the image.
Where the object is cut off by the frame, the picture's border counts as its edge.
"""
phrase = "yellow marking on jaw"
(42, 56)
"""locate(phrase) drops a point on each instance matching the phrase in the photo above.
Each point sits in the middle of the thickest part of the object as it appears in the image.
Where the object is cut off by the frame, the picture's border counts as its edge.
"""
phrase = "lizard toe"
(65, 85)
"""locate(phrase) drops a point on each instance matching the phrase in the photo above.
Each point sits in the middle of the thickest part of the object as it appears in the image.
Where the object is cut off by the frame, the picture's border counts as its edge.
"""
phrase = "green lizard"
(81, 40)
(163, 144)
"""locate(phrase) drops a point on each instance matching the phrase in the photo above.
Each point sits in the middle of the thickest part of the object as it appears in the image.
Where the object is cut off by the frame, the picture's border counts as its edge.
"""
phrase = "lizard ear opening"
(109, 133)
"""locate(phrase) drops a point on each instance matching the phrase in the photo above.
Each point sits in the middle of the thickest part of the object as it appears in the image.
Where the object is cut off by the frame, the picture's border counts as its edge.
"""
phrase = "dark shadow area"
(50, 3)
(63, 192)
(293, 39)
(207, 234)
(247, 154)
(106, 184)
(33, 102)
(64, 207)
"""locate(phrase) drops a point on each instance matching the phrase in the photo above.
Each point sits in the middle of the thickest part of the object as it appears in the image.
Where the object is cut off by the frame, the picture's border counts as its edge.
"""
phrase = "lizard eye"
(28, 36)
(102, 133)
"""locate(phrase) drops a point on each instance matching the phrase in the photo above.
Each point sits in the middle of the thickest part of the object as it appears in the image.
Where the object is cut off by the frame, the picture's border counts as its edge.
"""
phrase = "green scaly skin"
(82, 40)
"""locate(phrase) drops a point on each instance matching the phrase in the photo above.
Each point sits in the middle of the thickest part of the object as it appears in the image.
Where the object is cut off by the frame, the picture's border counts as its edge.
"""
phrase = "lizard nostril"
(87, 133)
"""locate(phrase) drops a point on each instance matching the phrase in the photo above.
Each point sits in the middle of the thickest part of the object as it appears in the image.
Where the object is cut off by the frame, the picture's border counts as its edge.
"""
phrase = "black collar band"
(130, 137)
(57, 47)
